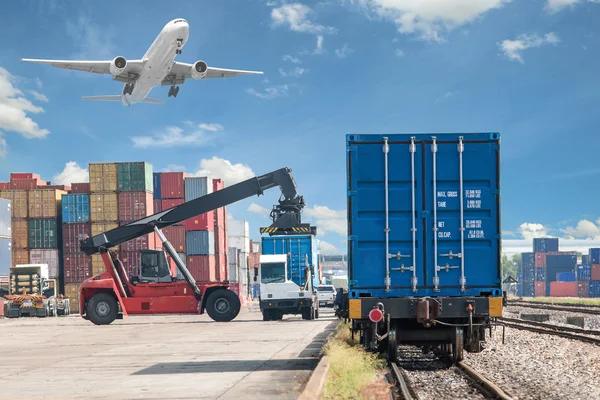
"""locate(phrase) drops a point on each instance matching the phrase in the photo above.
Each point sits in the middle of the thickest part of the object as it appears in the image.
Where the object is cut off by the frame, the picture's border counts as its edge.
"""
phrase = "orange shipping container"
(101, 227)
(72, 292)
(104, 207)
(595, 272)
(20, 256)
(563, 289)
(44, 203)
(18, 202)
(19, 233)
(97, 265)
(103, 177)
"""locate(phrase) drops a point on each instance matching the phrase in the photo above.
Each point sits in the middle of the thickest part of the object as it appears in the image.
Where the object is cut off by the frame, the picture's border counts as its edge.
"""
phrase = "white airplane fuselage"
(158, 60)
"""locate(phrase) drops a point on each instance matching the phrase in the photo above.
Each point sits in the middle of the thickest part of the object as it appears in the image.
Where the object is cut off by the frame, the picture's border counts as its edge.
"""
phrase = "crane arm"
(221, 198)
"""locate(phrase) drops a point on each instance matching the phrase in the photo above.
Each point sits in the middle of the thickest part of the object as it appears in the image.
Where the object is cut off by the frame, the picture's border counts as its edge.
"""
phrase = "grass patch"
(353, 372)
(564, 300)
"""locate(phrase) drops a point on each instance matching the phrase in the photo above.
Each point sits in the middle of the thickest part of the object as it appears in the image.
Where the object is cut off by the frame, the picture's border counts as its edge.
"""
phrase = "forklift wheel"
(223, 305)
(102, 309)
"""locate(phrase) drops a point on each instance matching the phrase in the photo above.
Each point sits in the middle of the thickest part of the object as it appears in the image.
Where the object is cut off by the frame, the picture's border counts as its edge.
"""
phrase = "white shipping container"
(240, 242)
(5, 218)
(255, 247)
(45, 256)
(238, 228)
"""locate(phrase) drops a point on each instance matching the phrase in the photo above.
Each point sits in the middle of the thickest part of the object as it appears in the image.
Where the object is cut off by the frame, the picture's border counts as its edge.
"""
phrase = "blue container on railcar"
(442, 194)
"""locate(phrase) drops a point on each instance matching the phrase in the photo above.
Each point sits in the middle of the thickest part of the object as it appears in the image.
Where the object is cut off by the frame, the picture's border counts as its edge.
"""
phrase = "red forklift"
(164, 284)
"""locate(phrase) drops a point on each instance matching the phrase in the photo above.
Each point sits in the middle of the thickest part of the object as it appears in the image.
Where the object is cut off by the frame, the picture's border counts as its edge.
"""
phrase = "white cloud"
(297, 17)
(554, 6)
(326, 247)
(39, 96)
(95, 42)
(174, 136)
(319, 48)
(72, 173)
(270, 92)
(38, 83)
(296, 72)
(327, 219)
(220, 168)
(399, 53)
(514, 246)
(258, 209)
(14, 108)
(291, 59)
(513, 48)
(431, 19)
(532, 230)
(344, 51)
(443, 97)
(174, 168)
(585, 229)
(3, 146)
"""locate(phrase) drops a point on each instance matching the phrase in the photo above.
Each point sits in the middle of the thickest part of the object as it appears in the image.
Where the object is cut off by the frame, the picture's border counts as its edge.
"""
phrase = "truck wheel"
(102, 309)
(223, 305)
(266, 315)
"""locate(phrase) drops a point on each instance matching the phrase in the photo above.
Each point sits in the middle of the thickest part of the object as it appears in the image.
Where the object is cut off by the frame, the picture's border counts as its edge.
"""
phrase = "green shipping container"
(42, 234)
(134, 177)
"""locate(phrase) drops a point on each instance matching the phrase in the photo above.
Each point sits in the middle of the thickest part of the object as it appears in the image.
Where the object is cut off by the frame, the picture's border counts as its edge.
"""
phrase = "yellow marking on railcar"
(495, 305)
(354, 307)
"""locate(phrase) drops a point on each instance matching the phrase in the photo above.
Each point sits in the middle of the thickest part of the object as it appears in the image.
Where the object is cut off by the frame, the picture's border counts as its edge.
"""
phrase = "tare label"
(450, 199)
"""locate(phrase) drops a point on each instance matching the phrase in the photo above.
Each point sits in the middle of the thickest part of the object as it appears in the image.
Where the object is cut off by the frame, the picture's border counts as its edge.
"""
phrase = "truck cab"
(279, 295)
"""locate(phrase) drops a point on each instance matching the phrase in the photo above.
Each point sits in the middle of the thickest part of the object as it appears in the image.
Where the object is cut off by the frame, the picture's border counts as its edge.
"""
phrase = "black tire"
(223, 305)
(306, 313)
(102, 309)
(278, 316)
(266, 315)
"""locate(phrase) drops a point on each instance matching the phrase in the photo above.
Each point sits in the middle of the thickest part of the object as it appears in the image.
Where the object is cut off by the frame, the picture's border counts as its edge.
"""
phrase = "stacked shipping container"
(5, 237)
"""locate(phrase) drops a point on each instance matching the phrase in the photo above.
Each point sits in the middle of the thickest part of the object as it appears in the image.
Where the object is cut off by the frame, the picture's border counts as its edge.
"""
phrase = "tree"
(509, 266)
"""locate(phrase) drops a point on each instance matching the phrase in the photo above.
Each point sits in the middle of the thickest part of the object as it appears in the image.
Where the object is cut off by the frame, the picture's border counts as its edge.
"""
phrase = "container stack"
(5, 237)
(560, 273)
(221, 237)
(594, 283)
(540, 274)
(169, 191)
(253, 265)
(239, 238)
(527, 275)
(545, 245)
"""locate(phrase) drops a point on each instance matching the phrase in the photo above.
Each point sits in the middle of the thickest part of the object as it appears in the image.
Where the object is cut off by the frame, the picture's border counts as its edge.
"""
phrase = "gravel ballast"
(556, 317)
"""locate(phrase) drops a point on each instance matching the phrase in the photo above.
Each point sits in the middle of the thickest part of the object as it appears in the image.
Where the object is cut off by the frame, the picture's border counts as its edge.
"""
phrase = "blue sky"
(528, 69)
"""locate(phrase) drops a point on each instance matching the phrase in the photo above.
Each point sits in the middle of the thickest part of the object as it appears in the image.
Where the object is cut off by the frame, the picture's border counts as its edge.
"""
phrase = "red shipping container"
(57, 187)
(1, 300)
(4, 185)
(204, 222)
(218, 184)
(171, 185)
(540, 260)
(132, 260)
(595, 272)
(140, 243)
(26, 184)
(83, 187)
(169, 203)
(202, 268)
(135, 205)
(563, 289)
(540, 289)
(222, 267)
(175, 234)
(583, 288)
(77, 267)
(157, 206)
(72, 234)
(23, 175)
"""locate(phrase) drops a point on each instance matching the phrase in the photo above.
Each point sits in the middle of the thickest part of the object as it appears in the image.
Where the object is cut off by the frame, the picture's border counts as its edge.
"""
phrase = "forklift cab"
(155, 267)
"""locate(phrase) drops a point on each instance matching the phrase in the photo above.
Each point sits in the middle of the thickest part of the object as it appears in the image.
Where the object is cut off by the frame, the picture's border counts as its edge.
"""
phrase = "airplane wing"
(182, 71)
(134, 67)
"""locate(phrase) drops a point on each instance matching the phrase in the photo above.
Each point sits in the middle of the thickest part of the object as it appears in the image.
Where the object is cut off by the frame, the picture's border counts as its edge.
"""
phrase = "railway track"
(550, 329)
(592, 310)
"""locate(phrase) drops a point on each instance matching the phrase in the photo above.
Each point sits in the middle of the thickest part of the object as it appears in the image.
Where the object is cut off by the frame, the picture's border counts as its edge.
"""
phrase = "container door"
(462, 222)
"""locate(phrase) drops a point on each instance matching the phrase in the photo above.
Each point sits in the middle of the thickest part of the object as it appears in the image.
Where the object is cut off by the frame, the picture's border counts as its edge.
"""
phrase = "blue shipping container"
(595, 256)
(428, 205)
(297, 247)
(156, 185)
(584, 272)
(561, 261)
(5, 218)
(565, 277)
(528, 289)
(545, 245)
(197, 187)
(594, 288)
(529, 274)
(540, 274)
(528, 259)
(75, 208)
(5, 255)
(585, 259)
(199, 243)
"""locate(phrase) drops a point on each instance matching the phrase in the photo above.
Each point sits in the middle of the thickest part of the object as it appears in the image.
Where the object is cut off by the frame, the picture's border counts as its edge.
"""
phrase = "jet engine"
(199, 70)
(118, 65)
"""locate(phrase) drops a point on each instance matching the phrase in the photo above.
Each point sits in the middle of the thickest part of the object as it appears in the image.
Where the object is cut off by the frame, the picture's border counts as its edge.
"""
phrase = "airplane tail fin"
(118, 98)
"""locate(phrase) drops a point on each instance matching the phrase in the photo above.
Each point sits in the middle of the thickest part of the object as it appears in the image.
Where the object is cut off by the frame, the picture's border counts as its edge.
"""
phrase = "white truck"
(279, 295)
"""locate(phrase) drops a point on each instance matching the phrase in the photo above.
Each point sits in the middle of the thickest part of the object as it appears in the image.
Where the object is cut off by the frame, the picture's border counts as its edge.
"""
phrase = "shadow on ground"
(229, 366)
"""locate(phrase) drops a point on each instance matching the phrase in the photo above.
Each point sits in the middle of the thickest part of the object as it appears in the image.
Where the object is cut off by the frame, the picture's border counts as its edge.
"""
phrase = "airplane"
(157, 67)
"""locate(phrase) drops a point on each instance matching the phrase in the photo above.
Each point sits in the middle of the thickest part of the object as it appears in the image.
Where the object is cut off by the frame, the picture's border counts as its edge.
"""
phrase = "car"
(326, 294)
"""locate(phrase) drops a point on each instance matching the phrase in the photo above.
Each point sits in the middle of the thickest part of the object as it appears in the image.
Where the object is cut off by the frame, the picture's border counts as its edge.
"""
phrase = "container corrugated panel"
(585, 259)
(176, 236)
(595, 255)
(170, 203)
(20, 234)
(528, 259)
(103, 177)
(20, 256)
(4, 185)
(44, 203)
(77, 268)
(583, 288)
(134, 177)
(103, 207)
(200, 243)
(5, 217)
(202, 267)
(595, 272)
(562, 260)
(222, 269)
(75, 208)
(26, 184)
(139, 243)
(529, 274)
(83, 187)
(172, 185)
(98, 266)
(156, 185)
(46, 256)
(544, 245)
(540, 289)
(565, 277)
(204, 222)
(540, 274)
(72, 292)
(72, 235)
(595, 289)
(528, 289)
(42, 234)
(563, 289)
(23, 175)
(135, 205)
(436, 207)
(5, 255)
(584, 272)
(100, 227)
(197, 187)
(18, 202)
(540, 260)
(298, 247)
(132, 260)
(157, 205)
